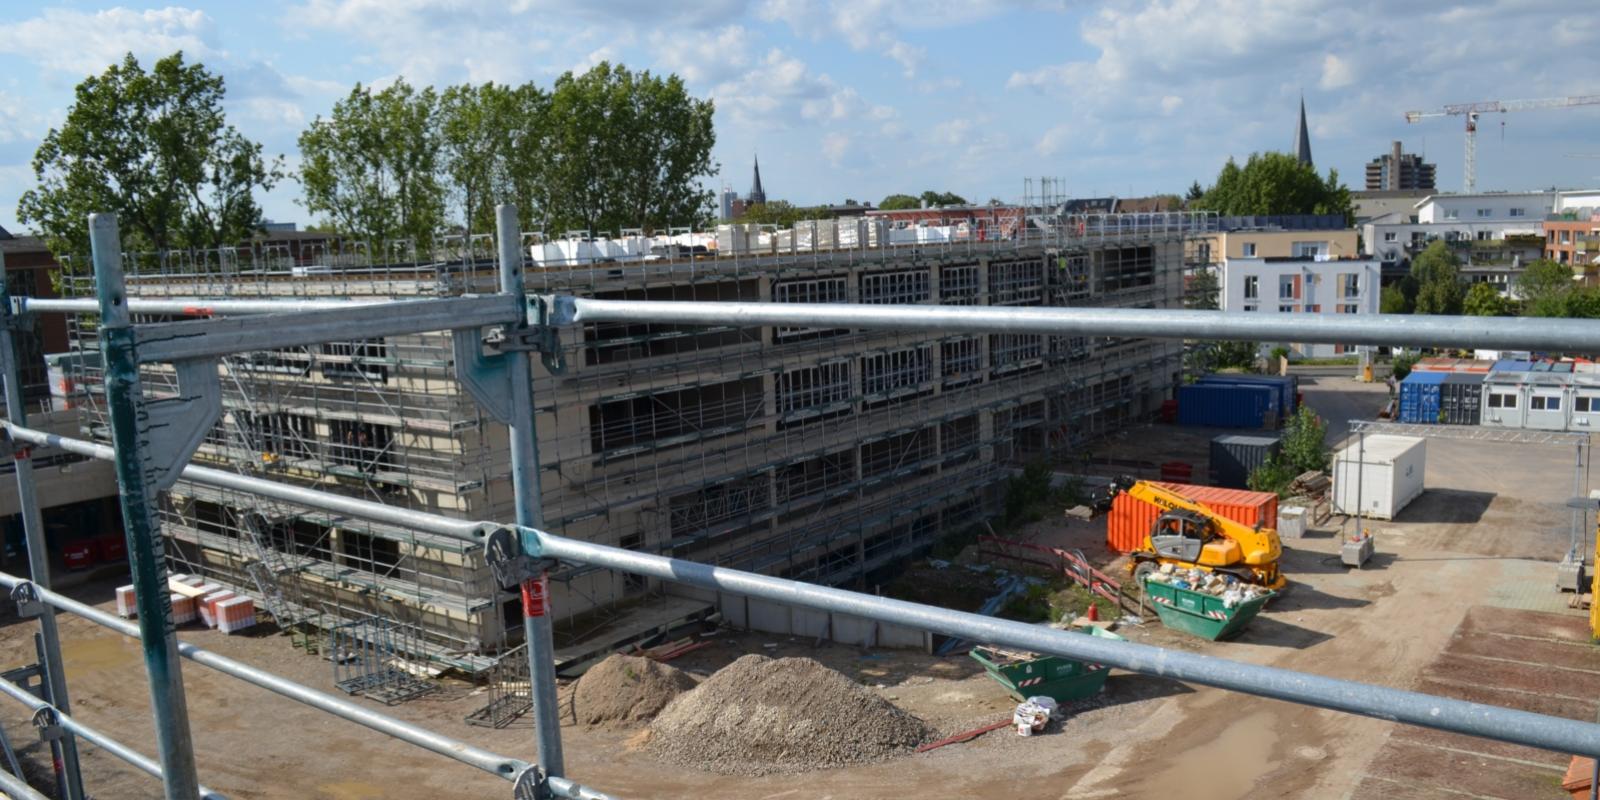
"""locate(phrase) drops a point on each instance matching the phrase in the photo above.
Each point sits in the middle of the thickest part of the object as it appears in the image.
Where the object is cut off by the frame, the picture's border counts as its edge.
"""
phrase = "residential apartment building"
(1457, 219)
(822, 454)
(1302, 285)
(1573, 237)
(1396, 171)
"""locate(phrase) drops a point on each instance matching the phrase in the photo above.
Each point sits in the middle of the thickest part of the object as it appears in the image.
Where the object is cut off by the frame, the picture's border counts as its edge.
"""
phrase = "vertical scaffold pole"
(65, 749)
(525, 479)
(124, 400)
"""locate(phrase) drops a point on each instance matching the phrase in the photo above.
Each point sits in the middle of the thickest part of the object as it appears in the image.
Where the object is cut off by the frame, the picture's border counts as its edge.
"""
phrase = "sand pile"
(760, 715)
(626, 689)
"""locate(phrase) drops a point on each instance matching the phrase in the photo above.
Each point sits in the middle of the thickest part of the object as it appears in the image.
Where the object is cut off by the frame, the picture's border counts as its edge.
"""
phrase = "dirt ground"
(1472, 556)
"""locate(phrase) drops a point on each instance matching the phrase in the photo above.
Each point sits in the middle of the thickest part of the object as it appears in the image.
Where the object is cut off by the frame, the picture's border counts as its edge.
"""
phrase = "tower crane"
(1472, 110)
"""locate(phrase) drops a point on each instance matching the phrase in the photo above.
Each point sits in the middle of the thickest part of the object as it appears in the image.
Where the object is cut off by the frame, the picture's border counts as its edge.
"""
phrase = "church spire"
(1302, 143)
(757, 194)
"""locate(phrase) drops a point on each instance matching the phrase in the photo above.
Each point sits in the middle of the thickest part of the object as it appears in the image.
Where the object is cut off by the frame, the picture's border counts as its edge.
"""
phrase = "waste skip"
(1027, 675)
(1200, 613)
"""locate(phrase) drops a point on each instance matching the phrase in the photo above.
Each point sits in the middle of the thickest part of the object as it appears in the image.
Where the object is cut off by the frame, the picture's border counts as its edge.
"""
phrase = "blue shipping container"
(1419, 397)
(1224, 405)
(1288, 386)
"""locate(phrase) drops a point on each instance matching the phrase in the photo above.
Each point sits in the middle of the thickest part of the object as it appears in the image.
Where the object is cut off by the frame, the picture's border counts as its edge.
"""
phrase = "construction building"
(1396, 171)
(823, 455)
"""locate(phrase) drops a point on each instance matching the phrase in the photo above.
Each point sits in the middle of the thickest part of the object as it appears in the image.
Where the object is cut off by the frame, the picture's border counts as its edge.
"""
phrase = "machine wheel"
(1143, 571)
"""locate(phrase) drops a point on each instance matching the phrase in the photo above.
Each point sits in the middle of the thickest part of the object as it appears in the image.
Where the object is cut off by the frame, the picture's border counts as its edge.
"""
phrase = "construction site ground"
(1460, 601)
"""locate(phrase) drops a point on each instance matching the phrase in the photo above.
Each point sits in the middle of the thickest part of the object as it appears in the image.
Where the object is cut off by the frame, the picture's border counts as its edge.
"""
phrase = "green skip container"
(1200, 614)
(1026, 675)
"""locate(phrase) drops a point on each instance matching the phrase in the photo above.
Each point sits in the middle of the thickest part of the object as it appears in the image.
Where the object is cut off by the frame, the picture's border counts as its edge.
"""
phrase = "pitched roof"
(1302, 144)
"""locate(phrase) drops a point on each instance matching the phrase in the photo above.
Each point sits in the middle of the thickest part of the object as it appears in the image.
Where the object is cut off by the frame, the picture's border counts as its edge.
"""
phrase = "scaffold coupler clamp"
(26, 596)
(540, 335)
(509, 563)
(532, 784)
(48, 722)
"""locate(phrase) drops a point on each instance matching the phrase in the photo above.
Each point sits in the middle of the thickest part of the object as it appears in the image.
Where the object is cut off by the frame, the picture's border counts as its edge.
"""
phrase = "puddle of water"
(350, 790)
(1225, 767)
(113, 653)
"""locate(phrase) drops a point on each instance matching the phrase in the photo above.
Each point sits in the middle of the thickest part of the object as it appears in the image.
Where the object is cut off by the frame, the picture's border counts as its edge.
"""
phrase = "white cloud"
(1170, 104)
(781, 91)
(1336, 73)
(702, 58)
(877, 25)
(84, 43)
(835, 146)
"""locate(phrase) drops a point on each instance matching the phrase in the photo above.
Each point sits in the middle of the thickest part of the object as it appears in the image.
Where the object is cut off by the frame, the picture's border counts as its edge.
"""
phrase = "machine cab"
(1185, 536)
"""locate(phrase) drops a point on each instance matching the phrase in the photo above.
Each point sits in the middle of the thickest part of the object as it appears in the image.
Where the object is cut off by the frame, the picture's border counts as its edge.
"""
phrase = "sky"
(857, 99)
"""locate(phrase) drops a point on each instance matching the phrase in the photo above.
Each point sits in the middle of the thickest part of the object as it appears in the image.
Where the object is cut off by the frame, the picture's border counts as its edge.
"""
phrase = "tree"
(1305, 446)
(373, 165)
(477, 128)
(1201, 293)
(1275, 183)
(625, 149)
(155, 148)
(1196, 191)
(1545, 287)
(1438, 276)
(899, 202)
(783, 213)
(1392, 300)
(933, 198)
(1483, 300)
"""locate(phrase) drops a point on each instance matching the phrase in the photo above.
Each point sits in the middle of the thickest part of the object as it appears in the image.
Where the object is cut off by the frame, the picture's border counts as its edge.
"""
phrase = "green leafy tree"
(1401, 366)
(1202, 290)
(1305, 446)
(899, 202)
(1545, 287)
(373, 166)
(783, 213)
(1392, 300)
(155, 148)
(624, 150)
(1584, 303)
(1274, 475)
(477, 129)
(1437, 271)
(1275, 183)
(1484, 300)
(933, 198)
(1196, 191)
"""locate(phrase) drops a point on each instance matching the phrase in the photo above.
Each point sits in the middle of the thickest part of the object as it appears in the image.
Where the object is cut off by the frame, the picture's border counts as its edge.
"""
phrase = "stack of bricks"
(183, 609)
(208, 606)
(236, 614)
(127, 604)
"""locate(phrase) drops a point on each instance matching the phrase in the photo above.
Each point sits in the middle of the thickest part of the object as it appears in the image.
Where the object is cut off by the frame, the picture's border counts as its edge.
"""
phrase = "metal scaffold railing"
(153, 440)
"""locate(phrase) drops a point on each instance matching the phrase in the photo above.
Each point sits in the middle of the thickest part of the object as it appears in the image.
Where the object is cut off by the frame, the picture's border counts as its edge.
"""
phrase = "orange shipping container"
(1130, 519)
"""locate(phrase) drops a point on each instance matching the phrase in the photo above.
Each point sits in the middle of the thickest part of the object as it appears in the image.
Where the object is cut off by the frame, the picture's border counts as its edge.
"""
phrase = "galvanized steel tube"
(139, 760)
(1379, 702)
(18, 788)
(1495, 333)
(189, 306)
(338, 504)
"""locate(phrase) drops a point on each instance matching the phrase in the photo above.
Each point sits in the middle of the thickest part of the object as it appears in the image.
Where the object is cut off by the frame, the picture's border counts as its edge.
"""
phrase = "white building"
(1481, 217)
(728, 198)
(1301, 286)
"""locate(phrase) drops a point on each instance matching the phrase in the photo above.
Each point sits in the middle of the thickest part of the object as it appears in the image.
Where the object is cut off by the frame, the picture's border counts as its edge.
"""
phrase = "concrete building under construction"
(824, 455)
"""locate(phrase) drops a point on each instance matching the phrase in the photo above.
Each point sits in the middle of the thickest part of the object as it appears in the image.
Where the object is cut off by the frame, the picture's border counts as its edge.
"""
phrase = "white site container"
(1385, 472)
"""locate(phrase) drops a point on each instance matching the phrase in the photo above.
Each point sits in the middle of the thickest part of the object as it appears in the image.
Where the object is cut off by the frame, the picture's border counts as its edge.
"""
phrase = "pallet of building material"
(183, 609)
(127, 604)
(235, 615)
(208, 606)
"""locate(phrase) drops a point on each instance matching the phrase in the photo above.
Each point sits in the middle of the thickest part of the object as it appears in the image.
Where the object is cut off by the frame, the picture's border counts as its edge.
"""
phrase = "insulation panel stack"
(208, 606)
(127, 605)
(183, 609)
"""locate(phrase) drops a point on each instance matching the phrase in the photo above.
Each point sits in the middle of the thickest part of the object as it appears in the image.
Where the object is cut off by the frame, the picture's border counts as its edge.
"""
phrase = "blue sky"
(861, 98)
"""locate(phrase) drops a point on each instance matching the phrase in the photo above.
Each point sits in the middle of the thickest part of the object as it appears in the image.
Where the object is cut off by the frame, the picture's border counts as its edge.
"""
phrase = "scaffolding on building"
(823, 455)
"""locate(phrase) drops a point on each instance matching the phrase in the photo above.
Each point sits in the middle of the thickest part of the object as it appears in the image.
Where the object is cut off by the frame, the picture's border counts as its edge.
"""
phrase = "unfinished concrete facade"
(823, 455)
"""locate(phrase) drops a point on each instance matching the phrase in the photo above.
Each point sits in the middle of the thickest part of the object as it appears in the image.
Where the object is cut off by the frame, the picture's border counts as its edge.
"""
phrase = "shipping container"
(1585, 417)
(1419, 397)
(1461, 398)
(1437, 364)
(1288, 387)
(1129, 521)
(1378, 474)
(1503, 403)
(1234, 456)
(1226, 405)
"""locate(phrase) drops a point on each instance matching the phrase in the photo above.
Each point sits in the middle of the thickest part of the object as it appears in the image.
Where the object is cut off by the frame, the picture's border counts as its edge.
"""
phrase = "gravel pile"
(760, 715)
(623, 689)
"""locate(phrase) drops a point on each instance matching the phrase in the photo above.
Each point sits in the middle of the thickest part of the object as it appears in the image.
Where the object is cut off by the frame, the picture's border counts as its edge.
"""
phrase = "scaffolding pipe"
(1368, 700)
(65, 749)
(525, 482)
(17, 788)
(139, 760)
(188, 306)
(147, 552)
(337, 504)
(1456, 716)
(1494, 333)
